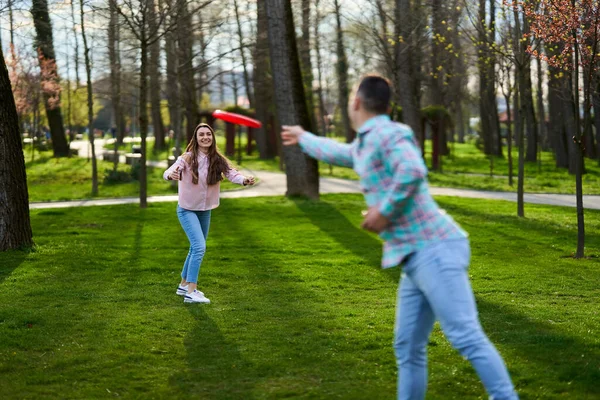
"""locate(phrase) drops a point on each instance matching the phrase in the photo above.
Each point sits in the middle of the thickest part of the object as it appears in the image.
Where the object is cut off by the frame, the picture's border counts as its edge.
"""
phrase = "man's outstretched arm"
(321, 148)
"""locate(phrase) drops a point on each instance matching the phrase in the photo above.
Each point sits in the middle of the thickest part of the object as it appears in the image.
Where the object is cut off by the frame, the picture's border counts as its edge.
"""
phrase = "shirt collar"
(372, 122)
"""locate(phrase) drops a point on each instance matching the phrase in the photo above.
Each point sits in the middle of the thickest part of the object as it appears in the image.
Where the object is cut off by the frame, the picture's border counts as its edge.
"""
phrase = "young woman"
(199, 172)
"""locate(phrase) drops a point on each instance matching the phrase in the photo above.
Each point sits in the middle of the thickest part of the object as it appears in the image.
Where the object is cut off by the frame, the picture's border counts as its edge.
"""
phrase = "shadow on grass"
(349, 235)
(528, 230)
(564, 360)
(10, 260)
(214, 367)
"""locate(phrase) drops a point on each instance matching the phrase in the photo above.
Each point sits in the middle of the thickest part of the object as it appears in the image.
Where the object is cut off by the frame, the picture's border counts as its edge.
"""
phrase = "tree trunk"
(521, 144)
(45, 45)
(589, 147)
(155, 81)
(571, 125)
(578, 145)
(532, 129)
(320, 96)
(557, 134)
(77, 80)
(519, 49)
(247, 84)
(542, 127)
(342, 75)
(306, 64)
(90, 102)
(438, 61)
(488, 109)
(173, 93)
(115, 78)
(144, 114)
(15, 226)
(267, 149)
(527, 99)
(302, 172)
(186, 72)
(405, 91)
(596, 101)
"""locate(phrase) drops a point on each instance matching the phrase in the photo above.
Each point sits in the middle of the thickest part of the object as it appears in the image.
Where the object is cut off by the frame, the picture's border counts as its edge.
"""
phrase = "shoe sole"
(183, 292)
(199, 302)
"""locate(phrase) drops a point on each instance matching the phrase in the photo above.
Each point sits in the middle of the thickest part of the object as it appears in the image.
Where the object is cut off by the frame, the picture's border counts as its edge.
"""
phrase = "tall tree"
(247, 85)
(342, 75)
(114, 58)
(488, 109)
(306, 63)
(542, 127)
(75, 36)
(15, 226)
(187, 82)
(302, 171)
(263, 80)
(320, 95)
(527, 98)
(596, 102)
(45, 45)
(172, 89)
(577, 32)
(155, 83)
(406, 79)
(90, 100)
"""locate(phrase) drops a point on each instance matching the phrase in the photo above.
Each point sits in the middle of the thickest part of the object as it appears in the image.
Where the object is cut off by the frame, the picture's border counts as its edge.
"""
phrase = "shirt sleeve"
(327, 150)
(180, 162)
(405, 167)
(234, 176)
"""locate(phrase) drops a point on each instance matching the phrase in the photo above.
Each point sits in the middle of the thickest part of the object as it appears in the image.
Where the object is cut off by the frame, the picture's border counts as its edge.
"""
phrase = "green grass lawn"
(50, 179)
(300, 308)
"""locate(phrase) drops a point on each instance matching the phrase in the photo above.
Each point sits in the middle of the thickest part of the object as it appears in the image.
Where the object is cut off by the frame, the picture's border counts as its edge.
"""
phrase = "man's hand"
(374, 221)
(291, 134)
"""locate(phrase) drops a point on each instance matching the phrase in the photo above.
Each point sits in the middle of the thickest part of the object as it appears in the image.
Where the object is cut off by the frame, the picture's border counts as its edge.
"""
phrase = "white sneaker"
(182, 290)
(195, 297)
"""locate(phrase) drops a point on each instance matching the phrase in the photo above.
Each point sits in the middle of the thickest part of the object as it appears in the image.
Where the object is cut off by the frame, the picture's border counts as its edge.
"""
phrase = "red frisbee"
(238, 119)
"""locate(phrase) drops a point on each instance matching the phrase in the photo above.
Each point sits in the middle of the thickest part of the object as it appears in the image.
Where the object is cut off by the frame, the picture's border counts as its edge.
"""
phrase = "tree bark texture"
(405, 75)
(115, 71)
(90, 101)
(186, 65)
(44, 43)
(155, 81)
(302, 171)
(342, 75)
(15, 225)
(267, 148)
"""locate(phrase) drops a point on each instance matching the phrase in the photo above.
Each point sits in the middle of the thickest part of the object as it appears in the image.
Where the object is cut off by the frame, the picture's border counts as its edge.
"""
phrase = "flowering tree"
(571, 30)
(50, 81)
(25, 80)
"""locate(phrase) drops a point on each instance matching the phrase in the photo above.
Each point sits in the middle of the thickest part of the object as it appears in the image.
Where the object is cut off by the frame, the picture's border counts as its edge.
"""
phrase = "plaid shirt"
(392, 177)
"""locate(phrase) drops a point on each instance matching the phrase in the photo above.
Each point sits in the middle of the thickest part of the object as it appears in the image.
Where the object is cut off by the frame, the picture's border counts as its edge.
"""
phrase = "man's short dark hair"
(375, 93)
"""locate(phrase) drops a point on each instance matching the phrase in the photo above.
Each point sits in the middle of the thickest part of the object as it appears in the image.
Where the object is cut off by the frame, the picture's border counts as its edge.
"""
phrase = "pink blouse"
(202, 196)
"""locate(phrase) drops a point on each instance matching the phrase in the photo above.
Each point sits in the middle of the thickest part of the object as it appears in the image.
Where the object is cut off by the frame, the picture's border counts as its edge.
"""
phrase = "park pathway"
(274, 184)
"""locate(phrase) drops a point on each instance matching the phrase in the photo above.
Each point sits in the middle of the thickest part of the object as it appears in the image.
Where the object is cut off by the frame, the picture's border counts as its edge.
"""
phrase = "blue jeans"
(195, 224)
(435, 285)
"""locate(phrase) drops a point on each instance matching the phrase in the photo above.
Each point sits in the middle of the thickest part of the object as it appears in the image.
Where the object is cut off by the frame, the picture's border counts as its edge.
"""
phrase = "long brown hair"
(218, 164)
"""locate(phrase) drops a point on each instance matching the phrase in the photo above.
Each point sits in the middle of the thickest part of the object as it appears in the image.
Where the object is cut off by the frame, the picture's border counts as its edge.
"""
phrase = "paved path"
(274, 184)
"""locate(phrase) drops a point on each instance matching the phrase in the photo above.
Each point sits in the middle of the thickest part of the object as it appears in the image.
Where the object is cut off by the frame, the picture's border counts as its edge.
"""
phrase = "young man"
(433, 249)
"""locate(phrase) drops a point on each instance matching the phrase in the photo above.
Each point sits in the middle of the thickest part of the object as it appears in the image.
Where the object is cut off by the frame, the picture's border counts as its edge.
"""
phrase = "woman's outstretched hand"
(175, 175)
(249, 180)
